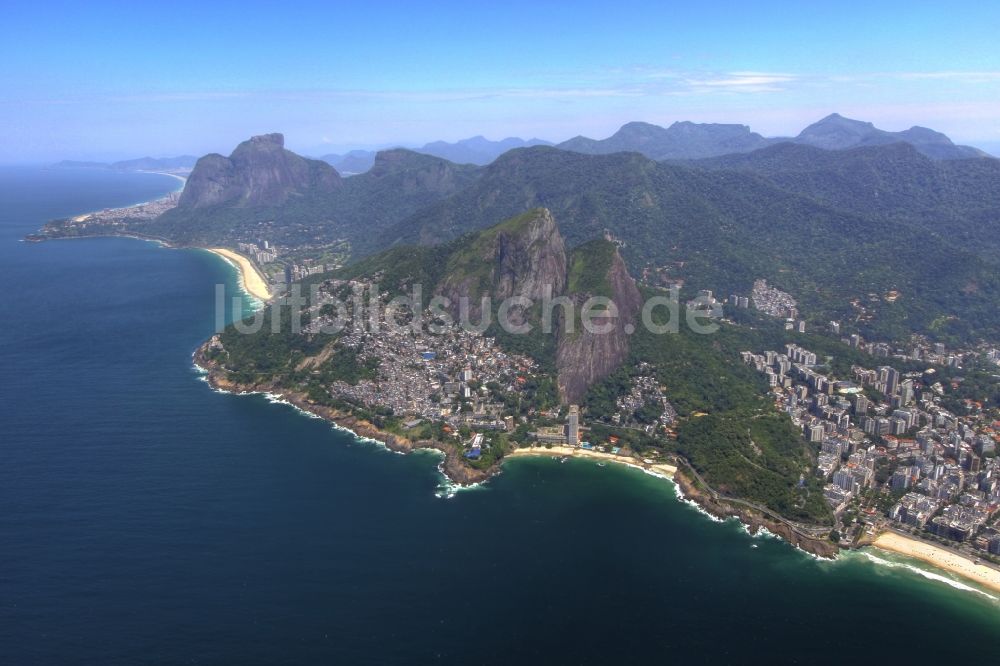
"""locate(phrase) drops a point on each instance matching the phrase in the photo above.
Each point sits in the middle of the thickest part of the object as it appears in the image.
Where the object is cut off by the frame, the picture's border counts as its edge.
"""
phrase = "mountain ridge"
(476, 150)
(687, 140)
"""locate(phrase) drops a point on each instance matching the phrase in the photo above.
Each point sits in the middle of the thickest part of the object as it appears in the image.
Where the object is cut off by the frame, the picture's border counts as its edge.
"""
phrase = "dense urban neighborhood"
(889, 450)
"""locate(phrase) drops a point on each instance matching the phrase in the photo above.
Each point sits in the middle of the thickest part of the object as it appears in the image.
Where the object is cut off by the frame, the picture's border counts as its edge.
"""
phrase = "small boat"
(601, 464)
(753, 545)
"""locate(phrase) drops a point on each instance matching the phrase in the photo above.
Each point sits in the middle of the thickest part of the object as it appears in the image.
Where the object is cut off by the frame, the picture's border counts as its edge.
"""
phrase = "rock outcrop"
(588, 353)
(412, 172)
(524, 257)
(260, 172)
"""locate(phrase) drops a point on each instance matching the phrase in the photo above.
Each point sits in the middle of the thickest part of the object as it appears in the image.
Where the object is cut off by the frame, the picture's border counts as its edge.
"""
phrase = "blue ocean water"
(144, 517)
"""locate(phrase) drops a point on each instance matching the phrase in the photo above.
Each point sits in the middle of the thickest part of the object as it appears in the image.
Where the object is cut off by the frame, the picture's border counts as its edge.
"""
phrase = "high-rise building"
(889, 377)
(573, 426)
(906, 391)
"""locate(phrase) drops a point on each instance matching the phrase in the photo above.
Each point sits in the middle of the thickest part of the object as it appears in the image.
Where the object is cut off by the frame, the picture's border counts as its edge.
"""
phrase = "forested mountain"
(957, 201)
(836, 132)
(722, 229)
(357, 209)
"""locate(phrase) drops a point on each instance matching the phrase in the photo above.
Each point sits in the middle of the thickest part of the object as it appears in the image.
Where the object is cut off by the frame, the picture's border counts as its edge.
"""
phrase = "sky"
(104, 81)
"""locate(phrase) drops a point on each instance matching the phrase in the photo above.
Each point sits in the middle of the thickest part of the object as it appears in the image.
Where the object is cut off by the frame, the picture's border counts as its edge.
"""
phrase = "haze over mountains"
(476, 150)
(680, 141)
(179, 163)
(687, 140)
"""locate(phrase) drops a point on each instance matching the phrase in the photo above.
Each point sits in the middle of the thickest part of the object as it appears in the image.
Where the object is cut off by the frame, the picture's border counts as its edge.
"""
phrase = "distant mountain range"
(476, 150)
(682, 140)
(679, 142)
(180, 163)
(686, 140)
(836, 132)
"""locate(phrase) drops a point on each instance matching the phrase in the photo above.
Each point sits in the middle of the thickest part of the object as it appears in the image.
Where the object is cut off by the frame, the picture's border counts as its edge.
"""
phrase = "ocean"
(146, 518)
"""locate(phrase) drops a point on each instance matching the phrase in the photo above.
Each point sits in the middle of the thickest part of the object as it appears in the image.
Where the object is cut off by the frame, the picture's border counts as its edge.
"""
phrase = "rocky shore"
(453, 466)
(459, 472)
(753, 519)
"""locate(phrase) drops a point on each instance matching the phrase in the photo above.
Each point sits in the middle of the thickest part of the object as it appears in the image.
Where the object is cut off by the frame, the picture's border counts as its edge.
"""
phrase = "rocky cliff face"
(412, 172)
(526, 257)
(521, 257)
(584, 357)
(260, 172)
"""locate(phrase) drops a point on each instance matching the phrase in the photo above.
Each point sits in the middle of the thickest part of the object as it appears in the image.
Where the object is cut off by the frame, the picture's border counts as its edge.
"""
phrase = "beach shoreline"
(252, 280)
(664, 470)
(939, 558)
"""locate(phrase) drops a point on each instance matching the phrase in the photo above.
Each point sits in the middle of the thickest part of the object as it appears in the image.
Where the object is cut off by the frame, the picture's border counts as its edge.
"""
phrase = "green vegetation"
(589, 265)
(729, 431)
(724, 228)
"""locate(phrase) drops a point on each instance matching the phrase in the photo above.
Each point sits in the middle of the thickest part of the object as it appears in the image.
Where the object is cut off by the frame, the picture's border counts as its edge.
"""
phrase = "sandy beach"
(941, 558)
(250, 278)
(662, 469)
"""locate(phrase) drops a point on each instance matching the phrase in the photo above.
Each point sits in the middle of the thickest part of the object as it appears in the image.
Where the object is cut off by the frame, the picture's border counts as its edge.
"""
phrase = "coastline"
(461, 476)
(939, 558)
(251, 279)
(664, 470)
(452, 467)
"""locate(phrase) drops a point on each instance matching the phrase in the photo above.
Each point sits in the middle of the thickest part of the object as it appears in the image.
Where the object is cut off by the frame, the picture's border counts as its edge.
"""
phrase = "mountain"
(521, 257)
(722, 229)
(258, 172)
(836, 132)
(682, 140)
(525, 257)
(478, 149)
(354, 162)
(265, 192)
(399, 183)
(588, 354)
(687, 140)
(156, 163)
(180, 163)
(957, 201)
